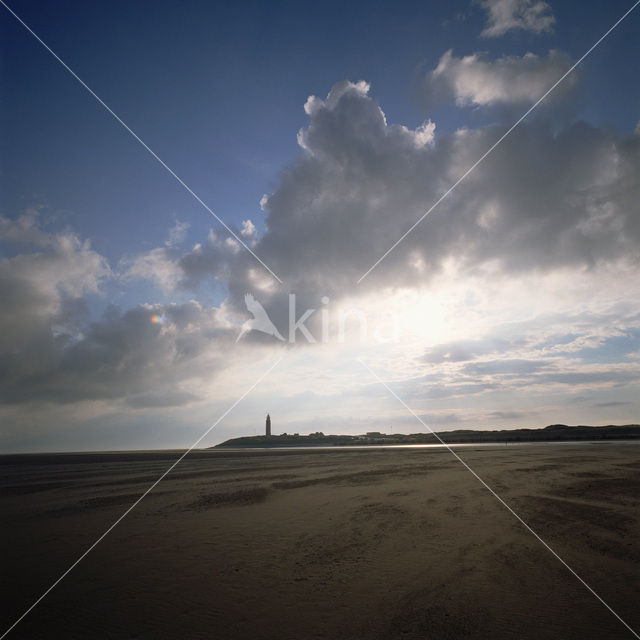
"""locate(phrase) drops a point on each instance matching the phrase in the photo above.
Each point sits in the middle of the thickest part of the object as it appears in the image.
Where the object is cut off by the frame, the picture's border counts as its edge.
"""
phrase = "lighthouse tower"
(268, 426)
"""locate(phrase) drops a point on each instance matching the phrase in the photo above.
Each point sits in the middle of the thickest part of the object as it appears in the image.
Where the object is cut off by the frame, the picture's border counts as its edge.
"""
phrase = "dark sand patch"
(418, 618)
(605, 489)
(360, 477)
(238, 497)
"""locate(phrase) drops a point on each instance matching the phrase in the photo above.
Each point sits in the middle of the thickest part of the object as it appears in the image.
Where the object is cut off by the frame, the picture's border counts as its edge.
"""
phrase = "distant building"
(268, 426)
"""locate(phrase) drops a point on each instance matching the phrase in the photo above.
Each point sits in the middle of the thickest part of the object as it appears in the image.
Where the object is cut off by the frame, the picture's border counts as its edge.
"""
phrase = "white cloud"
(249, 233)
(508, 15)
(43, 285)
(232, 245)
(248, 229)
(51, 351)
(474, 81)
(425, 134)
(158, 266)
(314, 104)
(171, 269)
(177, 234)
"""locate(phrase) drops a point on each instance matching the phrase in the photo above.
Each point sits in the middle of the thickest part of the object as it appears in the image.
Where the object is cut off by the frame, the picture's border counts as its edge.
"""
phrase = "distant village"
(552, 433)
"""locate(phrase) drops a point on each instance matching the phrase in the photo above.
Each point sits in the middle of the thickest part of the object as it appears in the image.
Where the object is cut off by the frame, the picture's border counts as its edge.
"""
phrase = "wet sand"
(324, 544)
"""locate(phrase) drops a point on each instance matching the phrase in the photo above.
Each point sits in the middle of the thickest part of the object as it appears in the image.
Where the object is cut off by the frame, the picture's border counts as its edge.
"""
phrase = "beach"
(384, 543)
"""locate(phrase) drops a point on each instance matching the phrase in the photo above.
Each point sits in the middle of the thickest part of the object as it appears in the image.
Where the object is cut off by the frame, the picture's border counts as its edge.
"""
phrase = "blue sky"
(217, 91)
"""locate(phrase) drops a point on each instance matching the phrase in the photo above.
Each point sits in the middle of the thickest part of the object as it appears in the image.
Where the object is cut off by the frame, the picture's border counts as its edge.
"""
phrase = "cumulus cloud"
(142, 356)
(545, 199)
(508, 15)
(474, 81)
(51, 351)
(249, 231)
(43, 284)
(172, 269)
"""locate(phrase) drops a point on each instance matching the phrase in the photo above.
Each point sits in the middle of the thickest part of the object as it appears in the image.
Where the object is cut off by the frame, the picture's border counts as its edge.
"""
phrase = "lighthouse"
(268, 426)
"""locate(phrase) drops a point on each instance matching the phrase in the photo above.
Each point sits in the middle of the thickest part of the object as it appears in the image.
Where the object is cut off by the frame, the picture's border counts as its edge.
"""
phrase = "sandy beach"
(390, 543)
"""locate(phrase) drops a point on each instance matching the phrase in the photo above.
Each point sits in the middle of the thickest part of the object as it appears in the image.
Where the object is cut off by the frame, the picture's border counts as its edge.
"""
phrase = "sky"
(319, 133)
